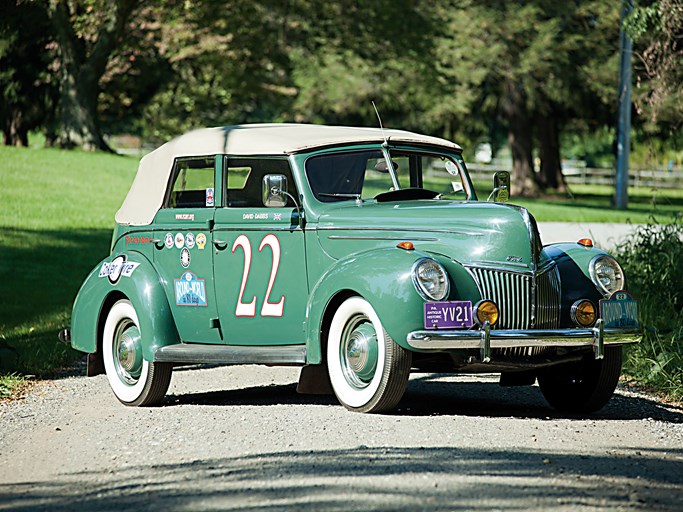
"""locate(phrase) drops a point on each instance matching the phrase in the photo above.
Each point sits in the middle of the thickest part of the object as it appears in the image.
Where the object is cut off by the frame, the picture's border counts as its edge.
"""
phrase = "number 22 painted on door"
(248, 309)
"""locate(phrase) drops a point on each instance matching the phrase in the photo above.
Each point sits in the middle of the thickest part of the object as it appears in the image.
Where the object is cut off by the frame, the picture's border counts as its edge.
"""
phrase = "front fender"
(380, 276)
(573, 261)
(142, 287)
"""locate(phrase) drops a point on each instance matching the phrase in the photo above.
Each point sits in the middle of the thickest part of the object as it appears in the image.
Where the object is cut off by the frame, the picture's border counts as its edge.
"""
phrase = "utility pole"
(624, 124)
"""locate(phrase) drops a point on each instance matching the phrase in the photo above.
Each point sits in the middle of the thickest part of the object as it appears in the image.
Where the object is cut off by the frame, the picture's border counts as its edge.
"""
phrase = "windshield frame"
(434, 151)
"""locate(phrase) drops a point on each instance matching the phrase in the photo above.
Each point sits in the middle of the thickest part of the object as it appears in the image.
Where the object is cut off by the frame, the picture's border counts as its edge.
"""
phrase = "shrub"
(653, 264)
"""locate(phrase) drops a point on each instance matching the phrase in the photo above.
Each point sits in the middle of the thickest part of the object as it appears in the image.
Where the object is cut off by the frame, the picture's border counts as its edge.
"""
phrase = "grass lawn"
(57, 219)
(593, 203)
(55, 225)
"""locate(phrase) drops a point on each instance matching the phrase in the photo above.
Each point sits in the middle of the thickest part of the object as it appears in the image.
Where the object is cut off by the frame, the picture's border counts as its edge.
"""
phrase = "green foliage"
(11, 385)
(227, 64)
(656, 27)
(653, 263)
(27, 89)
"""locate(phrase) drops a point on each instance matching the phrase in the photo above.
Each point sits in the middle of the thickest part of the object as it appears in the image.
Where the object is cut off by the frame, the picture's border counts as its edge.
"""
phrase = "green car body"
(325, 247)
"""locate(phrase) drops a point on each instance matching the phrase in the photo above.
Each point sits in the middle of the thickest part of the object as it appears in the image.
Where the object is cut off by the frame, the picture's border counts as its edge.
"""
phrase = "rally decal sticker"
(138, 240)
(189, 240)
(179, 240)
(185, 257)
(255, 216)
(201, 240)
(248, 309)
(168, 241)
(190, 290)
(116, 268)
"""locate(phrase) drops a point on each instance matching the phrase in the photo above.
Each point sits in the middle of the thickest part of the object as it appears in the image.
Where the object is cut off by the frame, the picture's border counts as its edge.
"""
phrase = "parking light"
(486, 311)
(583, 313)
(408, 246)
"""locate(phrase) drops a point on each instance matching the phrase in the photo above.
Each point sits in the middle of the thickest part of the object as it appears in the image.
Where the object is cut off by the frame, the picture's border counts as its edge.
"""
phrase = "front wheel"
(368, 370)
(582, 387)
(133, 380)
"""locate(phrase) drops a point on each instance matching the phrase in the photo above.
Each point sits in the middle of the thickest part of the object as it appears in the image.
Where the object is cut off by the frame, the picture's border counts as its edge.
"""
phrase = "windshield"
(365, 174)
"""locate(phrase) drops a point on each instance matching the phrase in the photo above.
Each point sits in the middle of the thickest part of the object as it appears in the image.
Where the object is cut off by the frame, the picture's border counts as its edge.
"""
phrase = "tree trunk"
(82, 66)
(523, 182)
(15, 132)
(549, 152)
(78, 112)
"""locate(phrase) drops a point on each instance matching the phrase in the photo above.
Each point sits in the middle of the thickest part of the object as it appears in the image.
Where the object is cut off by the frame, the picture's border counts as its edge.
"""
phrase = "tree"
(524, 66)
(26, 87)
(344, 55)
(228, 63)
(657, 29)
(87, 33)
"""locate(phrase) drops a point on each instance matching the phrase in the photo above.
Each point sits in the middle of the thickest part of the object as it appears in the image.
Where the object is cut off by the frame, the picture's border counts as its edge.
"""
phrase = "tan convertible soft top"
(146, 194)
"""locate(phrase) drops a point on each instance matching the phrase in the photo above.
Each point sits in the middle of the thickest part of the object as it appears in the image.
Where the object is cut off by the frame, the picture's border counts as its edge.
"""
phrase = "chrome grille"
(524, 302)
(548, 299)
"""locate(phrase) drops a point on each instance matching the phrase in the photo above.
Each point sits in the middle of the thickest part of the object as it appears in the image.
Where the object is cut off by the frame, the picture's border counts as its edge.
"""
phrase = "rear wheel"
(582, 387)
(368, 370)
(133, 380)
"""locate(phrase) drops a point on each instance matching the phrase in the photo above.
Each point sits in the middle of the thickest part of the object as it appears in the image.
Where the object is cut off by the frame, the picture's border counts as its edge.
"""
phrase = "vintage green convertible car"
(360, 255)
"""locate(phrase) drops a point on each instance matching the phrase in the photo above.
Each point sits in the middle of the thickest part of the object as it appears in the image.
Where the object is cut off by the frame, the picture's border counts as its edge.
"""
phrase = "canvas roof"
(146, 194)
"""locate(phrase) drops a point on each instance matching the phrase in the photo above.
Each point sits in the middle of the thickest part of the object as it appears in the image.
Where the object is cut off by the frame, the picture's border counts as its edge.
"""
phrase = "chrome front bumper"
(485, 339)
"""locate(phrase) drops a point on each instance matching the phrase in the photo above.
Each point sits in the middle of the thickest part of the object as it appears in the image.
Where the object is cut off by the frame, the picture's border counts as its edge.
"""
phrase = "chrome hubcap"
(358, 351)
(127, 352)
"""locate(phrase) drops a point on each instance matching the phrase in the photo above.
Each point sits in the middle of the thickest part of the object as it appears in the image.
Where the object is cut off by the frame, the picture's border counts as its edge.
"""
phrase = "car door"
(183, 254)
(259, 258)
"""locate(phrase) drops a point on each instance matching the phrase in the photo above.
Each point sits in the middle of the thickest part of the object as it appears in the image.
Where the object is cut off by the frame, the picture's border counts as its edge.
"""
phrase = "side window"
(193, 182)
(244, 178)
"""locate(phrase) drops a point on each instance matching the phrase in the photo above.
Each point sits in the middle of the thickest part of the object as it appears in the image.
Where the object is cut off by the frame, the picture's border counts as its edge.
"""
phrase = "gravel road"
(241, 438)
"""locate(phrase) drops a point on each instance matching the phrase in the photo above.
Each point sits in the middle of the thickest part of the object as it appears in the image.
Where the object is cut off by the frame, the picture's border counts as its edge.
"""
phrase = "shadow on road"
(379, 479)
(430, 395)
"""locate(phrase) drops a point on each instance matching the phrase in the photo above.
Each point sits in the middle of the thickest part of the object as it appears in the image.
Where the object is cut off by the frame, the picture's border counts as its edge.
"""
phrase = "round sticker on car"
(179, 240)
(185, 257)
(189, 240)
(115, 268)
(168, 241)
(451, 168)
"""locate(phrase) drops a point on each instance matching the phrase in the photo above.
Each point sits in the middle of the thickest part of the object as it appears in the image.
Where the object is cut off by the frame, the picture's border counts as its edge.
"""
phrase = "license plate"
(448, 315)
(619, 311)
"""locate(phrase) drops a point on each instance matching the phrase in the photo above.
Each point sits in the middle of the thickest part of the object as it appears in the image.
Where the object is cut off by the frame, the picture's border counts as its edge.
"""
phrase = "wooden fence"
(589, 176)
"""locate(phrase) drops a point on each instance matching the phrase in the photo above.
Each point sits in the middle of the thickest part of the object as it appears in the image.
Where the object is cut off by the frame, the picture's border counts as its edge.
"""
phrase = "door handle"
(220, 244)
(159, 244)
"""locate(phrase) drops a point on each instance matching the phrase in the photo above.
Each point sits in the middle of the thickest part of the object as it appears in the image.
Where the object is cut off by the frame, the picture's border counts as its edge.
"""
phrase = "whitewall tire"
(133, 380)
(368, 370)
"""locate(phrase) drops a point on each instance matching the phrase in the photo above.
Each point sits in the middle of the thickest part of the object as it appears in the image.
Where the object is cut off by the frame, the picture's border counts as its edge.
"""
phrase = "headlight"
(430, 279)
(606, 274)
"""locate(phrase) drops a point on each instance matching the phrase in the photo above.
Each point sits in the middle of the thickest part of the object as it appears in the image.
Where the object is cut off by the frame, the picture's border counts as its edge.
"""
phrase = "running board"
(230, 354)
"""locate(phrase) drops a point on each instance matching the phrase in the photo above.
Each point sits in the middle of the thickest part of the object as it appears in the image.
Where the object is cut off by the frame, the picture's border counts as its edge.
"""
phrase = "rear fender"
(141, 285)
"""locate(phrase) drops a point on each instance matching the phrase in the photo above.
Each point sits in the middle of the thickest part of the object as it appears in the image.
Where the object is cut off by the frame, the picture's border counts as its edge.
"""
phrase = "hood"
(468, 232)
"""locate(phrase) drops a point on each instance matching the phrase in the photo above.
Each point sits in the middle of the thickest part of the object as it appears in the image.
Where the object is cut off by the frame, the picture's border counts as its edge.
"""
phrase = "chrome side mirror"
(501, 187)
(274, 190)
